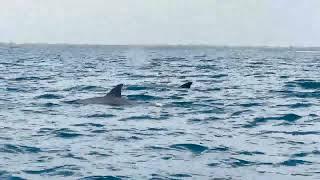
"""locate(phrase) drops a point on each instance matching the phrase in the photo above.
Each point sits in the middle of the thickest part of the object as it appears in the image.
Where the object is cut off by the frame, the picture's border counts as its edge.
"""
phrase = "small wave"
(284, 77)
(194, 148)
(304, 83)
(89, 125)
(8, 176)
(298, 94)
(142, 117)
(70, 155)
(206, 60)
(309, 84)
(139, 76)
(66, 170)
(122, 57)
(49, 96)
(300, 105)
(99, 131)
(294, 133)
(15, 149)
(257, 62)
(304, 154)
(45, 130)
(66, 133)
(104, 178)
(95, 153)
(251, 153)
(83, 88)
(200, 56)
(294, 162)
(158, 177)
(123, 138)
(250, 104)
(213, 164)
(126, 74)
(259, 120)
(173, 58)
(180, 175)
(220, 149)
(166, 158)
(235, 162)
(289, 117)
(50, 105)
(184, 104)
(313, 115)
(176, 133)
(156, 148)
(100, 116)
(175, 97)
(16, 89)
(218, 76)
(204, 120)
(237, 113)
(30, 78)
(157, 129)
(206, 67)
(252, 66)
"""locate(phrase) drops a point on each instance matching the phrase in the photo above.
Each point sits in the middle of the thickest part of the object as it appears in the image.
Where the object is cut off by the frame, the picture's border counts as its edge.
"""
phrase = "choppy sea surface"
(252, 113)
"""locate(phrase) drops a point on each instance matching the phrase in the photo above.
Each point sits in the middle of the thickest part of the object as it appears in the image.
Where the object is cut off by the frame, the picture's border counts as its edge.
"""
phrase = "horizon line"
(162, 45)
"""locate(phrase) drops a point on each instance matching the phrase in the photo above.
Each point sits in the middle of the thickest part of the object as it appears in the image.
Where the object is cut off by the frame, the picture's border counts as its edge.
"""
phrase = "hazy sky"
(217, 22)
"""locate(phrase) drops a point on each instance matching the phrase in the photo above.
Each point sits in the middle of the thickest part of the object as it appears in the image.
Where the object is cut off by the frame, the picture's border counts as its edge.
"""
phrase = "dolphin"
(114, 97)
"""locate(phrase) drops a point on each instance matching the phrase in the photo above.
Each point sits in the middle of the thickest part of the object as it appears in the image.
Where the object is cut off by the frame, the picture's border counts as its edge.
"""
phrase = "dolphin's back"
(113, 98)
(106, 100)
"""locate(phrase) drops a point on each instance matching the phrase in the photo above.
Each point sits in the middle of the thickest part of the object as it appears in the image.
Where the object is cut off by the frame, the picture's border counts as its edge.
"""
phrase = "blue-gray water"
(252, 113)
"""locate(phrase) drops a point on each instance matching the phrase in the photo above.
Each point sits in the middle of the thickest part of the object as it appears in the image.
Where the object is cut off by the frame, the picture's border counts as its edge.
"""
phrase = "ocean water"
(252, 113)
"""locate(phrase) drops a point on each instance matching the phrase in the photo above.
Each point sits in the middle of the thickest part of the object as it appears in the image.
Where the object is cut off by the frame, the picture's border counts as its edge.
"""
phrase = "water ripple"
(104, 178)
(294, 162)
(15, 149)
(66, 133)
(49, 96)
(260, 120)
(194, 148)
(65, 170)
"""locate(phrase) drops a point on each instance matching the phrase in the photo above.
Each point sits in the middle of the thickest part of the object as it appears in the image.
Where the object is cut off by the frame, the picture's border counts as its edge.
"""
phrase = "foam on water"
(252, 113)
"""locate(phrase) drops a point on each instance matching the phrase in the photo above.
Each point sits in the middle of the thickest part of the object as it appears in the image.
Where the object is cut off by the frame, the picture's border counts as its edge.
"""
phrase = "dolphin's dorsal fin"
(116, 91)
(186, 85)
